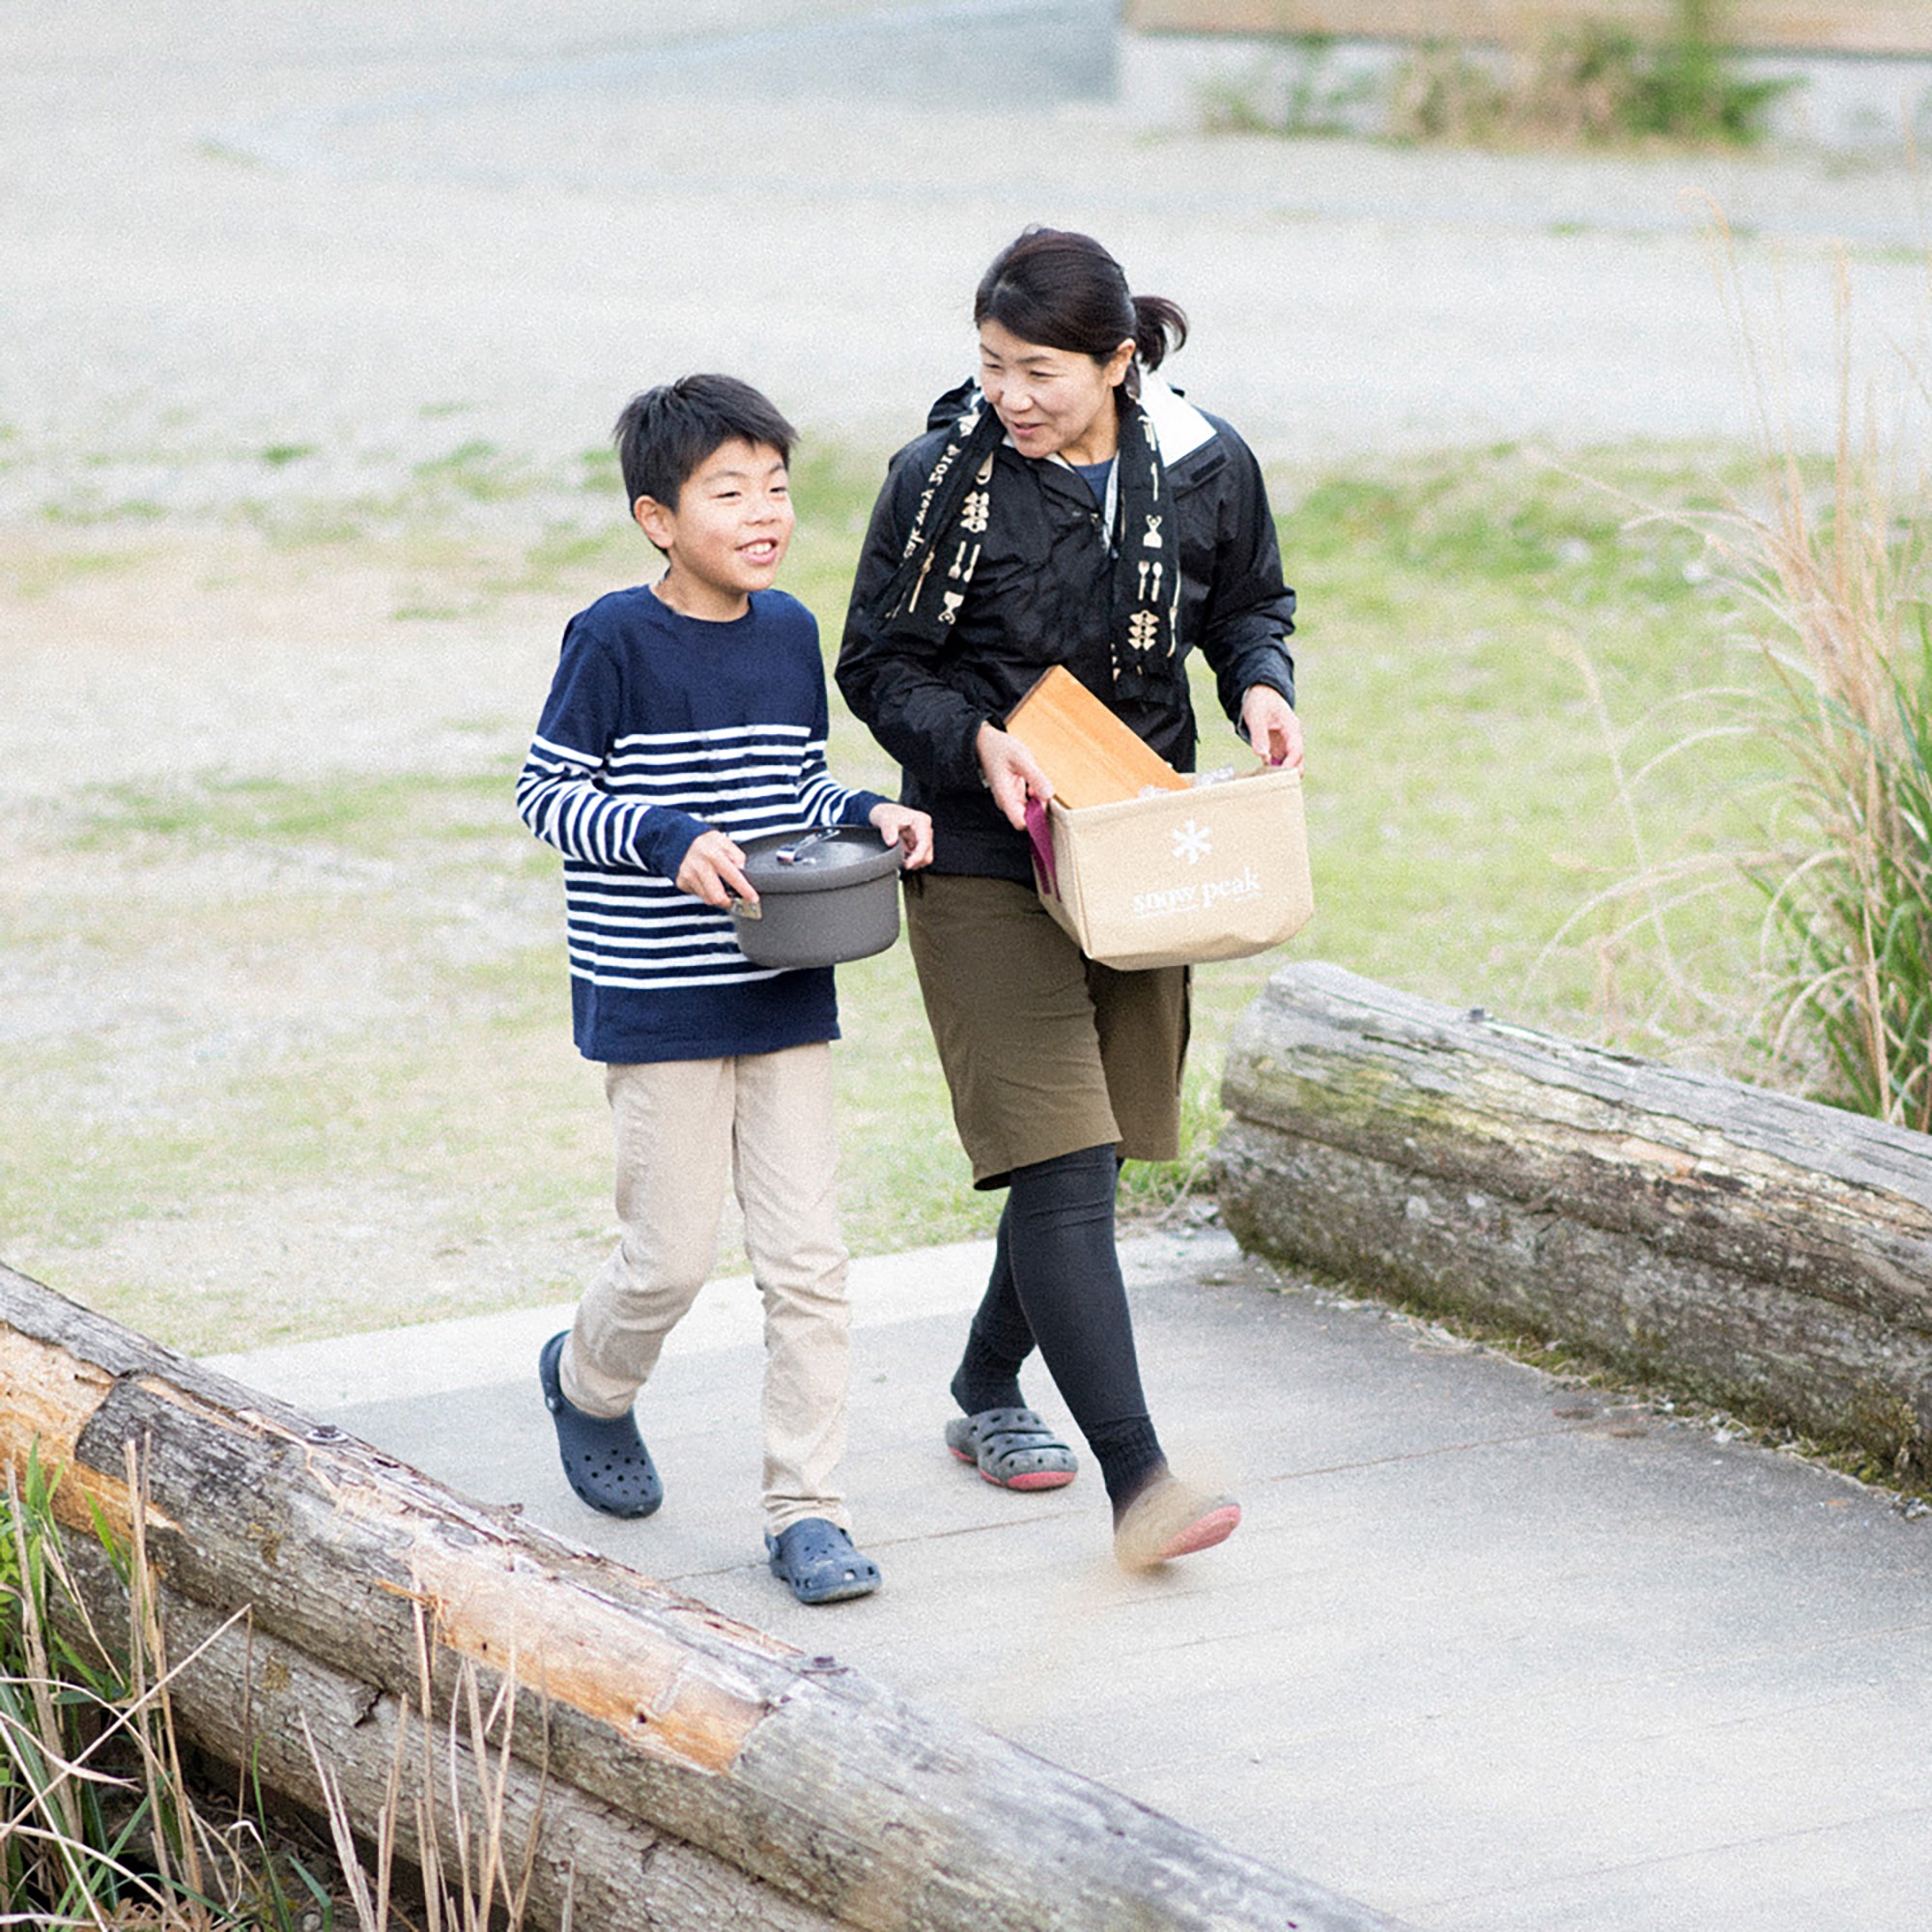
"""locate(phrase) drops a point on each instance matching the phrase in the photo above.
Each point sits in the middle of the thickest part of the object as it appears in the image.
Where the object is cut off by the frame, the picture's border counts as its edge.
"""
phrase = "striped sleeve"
(563, 796)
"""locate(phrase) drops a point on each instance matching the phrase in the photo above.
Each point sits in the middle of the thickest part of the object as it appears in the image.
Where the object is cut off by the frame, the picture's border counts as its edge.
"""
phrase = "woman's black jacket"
(1040, 597)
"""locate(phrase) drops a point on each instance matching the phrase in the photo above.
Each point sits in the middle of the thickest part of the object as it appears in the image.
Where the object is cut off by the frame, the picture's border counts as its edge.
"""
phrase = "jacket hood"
(947, 410)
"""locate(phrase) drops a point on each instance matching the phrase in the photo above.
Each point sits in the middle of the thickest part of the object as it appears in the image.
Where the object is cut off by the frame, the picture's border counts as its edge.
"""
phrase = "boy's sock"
(997, 1344)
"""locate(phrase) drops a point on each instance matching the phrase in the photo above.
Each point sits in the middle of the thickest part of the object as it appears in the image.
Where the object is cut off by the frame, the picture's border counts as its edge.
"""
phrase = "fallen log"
(245, 1697)
(1760, 1251)
(746, 1764)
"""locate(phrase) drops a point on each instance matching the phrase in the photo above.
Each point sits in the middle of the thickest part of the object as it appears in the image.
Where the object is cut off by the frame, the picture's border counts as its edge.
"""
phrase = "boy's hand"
(900, 824)
(711, 871)
(1272, 726)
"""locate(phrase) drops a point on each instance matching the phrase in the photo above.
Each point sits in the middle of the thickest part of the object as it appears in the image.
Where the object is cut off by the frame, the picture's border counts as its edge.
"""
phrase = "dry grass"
(462, 1865)
(1842, 586)
(107, 1821)
(99, 1825)
(1830, 568)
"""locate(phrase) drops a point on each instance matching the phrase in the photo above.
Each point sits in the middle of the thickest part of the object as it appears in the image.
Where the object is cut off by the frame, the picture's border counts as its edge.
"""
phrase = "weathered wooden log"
(1763, 1252)
(248, 1699)
(802, 1773)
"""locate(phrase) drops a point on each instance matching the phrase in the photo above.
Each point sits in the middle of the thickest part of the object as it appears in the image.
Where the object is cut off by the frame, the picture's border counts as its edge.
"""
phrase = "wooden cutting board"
(1091, 757)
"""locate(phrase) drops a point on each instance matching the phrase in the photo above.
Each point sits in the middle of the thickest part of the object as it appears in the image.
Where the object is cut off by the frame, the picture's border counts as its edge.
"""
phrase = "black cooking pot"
(823, 896)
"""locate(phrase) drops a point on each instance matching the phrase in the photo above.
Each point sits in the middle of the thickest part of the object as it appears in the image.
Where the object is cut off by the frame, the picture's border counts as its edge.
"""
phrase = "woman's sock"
(1129, 1461)
(997, 1344)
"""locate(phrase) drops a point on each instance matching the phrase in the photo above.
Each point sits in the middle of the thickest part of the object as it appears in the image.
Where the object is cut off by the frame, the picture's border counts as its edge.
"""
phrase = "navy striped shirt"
(656, 727)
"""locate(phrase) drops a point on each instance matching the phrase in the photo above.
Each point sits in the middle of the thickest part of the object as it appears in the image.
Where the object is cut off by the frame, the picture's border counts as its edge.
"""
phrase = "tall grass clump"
(1841, 579)
(99, 1825)
(107, 1819)
(1829, 565)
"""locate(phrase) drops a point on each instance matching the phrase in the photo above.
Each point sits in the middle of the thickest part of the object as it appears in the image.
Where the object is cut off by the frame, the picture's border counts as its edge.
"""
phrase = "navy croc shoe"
(815, 1557)
(603, 1458)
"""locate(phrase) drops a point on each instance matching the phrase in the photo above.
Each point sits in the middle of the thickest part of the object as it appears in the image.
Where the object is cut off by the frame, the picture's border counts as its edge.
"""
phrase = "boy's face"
(727, 535)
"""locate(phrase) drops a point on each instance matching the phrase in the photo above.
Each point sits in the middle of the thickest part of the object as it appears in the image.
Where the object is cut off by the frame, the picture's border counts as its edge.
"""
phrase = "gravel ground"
(230, 226)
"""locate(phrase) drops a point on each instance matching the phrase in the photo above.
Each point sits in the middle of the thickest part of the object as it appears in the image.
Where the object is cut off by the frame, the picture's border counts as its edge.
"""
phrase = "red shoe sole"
(1043, 1479)
(1203, 1533)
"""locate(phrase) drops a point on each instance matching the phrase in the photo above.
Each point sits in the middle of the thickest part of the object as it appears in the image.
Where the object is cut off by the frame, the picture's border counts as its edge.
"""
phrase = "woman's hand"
(902, 825)
(1271, 727)
(712, 872)
(1010, 772)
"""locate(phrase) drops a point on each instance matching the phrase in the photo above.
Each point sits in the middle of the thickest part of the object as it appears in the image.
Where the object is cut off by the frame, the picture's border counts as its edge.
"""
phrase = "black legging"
(1056, 1281)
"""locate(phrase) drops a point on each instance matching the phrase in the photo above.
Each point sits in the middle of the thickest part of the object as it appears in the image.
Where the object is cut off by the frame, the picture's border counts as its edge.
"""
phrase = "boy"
(687, 715)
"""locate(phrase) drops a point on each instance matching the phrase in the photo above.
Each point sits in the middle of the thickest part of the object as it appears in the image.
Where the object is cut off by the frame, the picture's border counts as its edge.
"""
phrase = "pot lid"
(820, 861)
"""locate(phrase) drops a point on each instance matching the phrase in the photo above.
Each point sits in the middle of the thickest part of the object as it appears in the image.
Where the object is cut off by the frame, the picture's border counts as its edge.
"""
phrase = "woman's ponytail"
(1161, 327)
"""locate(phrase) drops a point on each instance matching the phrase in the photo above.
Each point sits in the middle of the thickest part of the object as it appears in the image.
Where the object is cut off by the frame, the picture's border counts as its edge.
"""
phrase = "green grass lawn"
(364, 1034)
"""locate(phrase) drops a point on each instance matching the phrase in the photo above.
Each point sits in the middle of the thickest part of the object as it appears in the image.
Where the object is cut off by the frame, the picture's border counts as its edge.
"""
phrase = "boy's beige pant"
(685, 1128)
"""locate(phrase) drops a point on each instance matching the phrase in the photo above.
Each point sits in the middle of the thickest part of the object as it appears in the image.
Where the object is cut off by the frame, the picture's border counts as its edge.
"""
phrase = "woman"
(1067, 507)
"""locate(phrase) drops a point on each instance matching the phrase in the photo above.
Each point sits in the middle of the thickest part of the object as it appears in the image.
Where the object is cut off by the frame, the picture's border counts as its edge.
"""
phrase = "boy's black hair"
(665, 434)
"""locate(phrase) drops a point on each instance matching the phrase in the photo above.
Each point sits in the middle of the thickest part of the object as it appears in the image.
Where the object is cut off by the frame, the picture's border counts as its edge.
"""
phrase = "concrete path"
(1490, 1653)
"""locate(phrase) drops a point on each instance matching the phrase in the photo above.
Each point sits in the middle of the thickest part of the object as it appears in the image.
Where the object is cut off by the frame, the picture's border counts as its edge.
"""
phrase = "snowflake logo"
(1192, 842)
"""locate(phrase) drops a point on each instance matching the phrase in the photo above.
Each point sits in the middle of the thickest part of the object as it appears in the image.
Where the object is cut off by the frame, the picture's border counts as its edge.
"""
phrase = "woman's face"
(1054, 401)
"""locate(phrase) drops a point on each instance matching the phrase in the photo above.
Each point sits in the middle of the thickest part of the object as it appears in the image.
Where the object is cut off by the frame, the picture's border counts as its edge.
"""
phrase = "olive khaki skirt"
(1045, 1052)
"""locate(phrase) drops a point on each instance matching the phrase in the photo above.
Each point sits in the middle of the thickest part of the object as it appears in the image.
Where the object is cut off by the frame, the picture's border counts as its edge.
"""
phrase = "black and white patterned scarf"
(942, 549)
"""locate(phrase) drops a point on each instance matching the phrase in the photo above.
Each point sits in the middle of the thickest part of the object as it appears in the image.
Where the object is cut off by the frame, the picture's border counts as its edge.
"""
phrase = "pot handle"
(789, 855)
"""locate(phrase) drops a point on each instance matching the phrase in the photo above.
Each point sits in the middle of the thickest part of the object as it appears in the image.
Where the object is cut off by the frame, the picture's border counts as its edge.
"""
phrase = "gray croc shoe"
(1013, 1448)
(816, 1559)
(605, 1460)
